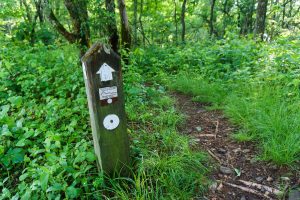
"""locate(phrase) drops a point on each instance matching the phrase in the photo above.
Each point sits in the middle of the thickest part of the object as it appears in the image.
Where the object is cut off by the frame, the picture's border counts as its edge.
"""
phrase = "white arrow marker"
(105, 72)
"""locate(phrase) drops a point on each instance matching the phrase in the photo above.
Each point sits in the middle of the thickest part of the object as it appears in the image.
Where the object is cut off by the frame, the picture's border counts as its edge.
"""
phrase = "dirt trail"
(211, 131)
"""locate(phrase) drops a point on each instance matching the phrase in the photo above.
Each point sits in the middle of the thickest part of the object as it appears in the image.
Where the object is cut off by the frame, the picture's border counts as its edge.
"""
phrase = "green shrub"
(46, 148)
(258, 88)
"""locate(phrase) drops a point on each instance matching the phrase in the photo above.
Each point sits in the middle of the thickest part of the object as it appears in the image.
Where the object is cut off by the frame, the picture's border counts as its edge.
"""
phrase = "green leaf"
(51, 157)
(90, 156)
(20, 123)
(44, 177)
(15, 155)
(5, 193)
(21, 143)
(1, 149)
(5, 160)
(72, 192)
(16, 101)
(5, 130)
(23, 177)
(55, 187)
(27, 195)
(4, 110)
(238, 172)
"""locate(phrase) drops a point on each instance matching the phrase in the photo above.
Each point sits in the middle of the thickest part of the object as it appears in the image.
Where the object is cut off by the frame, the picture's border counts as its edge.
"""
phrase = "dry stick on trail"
(249, 190)
(260, 187)
(214, 156)
(217, 127)
(207, 135)
(233, 156)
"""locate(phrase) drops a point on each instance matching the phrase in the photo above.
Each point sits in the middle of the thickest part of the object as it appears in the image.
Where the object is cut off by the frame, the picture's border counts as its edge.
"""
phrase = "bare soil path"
(238, 175)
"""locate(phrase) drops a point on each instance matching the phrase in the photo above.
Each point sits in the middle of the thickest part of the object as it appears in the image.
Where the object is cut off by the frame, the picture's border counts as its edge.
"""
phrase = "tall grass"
(263, 111)
(165, 165)
(201, 89)
(178, 176)
(270, 118)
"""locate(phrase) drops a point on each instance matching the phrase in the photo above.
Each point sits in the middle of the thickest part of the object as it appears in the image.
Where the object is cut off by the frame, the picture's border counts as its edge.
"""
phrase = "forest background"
(242, 56)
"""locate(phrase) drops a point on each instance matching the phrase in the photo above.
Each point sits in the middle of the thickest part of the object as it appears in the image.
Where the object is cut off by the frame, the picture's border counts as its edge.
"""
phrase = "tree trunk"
(291, 8)
(239, 23)
(112, 25)
(275, 18)
(250, 26)
(261, 13)
(79, 17)
(141, 22)
(30, 20)
(70, 37)
(225, 17)
(135, 23)
(125, 29)
(183, 9)
(39, 10)
(175, 20)
(211, 20)
(283, 14)
(247, 9)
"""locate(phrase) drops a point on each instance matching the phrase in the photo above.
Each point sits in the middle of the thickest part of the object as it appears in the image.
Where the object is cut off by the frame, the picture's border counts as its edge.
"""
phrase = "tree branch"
(60, 28)
(28, 10)
(296, 12)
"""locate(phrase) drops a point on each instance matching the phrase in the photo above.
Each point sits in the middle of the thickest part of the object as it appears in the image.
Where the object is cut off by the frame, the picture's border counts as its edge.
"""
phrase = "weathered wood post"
(104, 88)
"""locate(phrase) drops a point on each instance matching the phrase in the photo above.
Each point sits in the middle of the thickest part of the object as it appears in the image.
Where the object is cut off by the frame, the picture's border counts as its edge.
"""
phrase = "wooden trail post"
(104, 88)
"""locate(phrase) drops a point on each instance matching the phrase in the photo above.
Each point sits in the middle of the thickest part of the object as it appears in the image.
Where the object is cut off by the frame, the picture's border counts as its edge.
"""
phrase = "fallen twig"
(217, 128)
(260, 186)
(207, 135)
(214, 156)
(249, 190)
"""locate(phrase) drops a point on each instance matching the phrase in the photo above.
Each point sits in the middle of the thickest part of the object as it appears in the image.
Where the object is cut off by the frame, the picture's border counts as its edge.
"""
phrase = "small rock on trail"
(226, 170)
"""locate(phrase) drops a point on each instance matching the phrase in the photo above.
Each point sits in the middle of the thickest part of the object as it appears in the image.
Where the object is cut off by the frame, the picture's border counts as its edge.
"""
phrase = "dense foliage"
(46, 147)
(258, 87)
(240, 56)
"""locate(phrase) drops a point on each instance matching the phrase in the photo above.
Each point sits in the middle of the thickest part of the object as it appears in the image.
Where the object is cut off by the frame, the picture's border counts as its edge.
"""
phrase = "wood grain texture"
(111, 146)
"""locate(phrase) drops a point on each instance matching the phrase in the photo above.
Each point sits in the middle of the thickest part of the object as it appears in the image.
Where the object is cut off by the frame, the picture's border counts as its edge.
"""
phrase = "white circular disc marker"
(109, 101)
(111, 122)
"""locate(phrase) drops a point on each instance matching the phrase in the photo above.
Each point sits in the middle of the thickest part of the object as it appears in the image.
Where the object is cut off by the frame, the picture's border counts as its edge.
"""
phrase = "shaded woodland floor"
(238, 174)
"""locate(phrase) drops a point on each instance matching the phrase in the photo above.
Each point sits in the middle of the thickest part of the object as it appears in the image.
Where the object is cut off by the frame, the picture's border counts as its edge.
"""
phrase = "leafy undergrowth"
(46, 146)
(257, 85)
(46, 149)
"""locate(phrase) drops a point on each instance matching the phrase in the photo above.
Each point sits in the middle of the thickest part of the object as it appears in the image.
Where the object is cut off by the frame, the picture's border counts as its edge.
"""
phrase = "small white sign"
(84, 71)
(108, 92)
(111, 122)
(105, 72)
